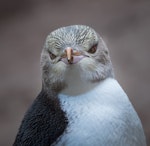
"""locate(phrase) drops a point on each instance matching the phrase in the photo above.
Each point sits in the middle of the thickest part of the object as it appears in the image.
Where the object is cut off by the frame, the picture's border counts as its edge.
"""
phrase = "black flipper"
(43, 123)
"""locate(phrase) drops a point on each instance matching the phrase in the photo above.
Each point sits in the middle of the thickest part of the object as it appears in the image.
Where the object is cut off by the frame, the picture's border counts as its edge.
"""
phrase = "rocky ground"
(24, 25)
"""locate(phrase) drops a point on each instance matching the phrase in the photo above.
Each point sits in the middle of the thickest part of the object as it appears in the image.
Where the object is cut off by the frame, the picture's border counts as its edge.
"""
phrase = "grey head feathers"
(90, 54)
(77, 35)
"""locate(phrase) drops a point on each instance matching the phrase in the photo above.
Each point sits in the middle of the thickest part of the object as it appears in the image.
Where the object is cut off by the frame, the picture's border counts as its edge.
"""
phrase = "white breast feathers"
(103, 116)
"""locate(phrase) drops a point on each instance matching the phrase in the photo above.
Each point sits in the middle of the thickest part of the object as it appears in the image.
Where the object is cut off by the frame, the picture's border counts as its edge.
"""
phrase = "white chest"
(101, 117)
(96, 116)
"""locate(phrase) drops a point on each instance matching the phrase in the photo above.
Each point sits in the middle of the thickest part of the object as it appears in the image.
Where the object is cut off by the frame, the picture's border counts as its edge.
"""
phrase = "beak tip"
(70, 61)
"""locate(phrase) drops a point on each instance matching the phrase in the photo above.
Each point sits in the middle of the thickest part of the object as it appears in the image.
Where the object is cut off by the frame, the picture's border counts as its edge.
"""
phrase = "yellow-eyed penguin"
(81, 103)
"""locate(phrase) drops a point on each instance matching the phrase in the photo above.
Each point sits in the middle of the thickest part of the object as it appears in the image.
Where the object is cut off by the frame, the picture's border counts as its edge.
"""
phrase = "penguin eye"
(93, 49)
(52, 56)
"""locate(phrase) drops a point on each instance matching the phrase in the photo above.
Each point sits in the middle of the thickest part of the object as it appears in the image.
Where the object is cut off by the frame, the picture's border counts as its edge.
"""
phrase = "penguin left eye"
(52, 56)
(93, 49)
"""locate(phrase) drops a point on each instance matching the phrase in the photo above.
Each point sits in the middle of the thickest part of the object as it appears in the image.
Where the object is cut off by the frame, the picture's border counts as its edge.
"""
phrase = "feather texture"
(101, 117)
(43, 123)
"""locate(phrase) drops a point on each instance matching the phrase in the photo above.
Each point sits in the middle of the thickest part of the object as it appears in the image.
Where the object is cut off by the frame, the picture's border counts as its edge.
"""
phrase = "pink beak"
(72, 57)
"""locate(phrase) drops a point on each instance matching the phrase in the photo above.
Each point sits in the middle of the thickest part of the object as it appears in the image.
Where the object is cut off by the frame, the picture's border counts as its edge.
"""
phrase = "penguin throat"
(75, 83)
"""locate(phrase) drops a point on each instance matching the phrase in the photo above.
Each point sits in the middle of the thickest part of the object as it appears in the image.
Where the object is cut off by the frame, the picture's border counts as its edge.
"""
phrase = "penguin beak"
(73, 56)
(69, 53)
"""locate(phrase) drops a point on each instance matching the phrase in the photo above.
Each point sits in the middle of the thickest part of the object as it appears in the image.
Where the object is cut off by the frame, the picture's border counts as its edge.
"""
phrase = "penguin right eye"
(52, 56)
(93, 49)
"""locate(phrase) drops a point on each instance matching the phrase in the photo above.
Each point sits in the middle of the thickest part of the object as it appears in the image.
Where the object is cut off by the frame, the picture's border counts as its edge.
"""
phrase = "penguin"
(80, 103)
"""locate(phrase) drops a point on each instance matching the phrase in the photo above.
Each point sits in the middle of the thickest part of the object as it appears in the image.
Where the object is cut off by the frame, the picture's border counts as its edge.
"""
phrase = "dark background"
(24, 25)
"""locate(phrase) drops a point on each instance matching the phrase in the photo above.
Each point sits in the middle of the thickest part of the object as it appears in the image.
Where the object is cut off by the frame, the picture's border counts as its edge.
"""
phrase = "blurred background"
(24, 25)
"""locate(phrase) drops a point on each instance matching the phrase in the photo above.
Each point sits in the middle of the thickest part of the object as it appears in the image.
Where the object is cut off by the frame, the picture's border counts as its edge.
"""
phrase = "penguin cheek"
(88, 67)
(88, 64)
(58, 70)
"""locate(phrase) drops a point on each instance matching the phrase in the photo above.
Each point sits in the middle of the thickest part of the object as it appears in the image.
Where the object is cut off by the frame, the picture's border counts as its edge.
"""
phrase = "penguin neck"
(75, 84)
